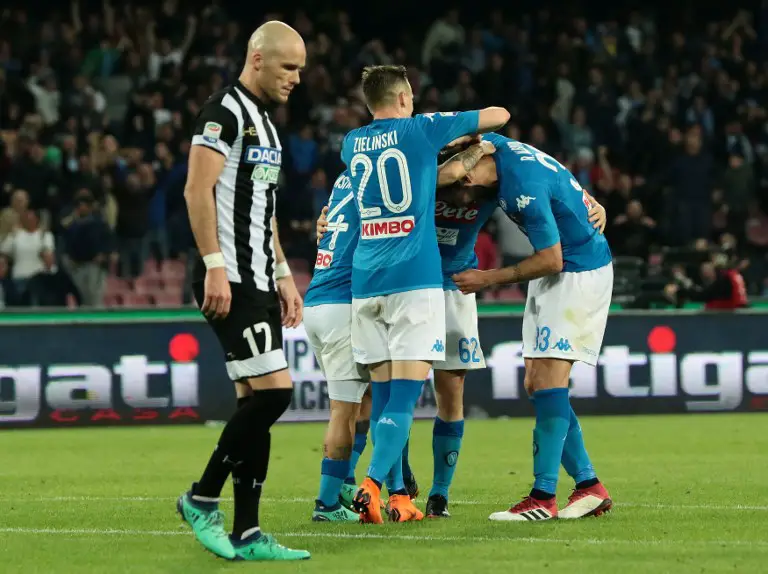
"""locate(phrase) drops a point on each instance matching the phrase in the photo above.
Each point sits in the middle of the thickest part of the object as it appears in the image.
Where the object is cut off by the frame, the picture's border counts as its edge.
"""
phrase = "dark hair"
(381, 82)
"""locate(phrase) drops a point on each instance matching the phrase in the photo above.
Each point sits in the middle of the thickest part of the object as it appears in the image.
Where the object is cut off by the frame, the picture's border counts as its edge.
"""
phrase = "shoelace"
(525, 504)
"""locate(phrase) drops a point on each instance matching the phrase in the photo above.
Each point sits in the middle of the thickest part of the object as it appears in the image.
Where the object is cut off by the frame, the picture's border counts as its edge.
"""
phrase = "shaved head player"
(243, 284)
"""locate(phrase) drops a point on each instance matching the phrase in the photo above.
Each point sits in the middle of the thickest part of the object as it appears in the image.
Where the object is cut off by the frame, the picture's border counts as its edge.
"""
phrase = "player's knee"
(449, 391)
(542, 374)
(266, 407)
(343, 412)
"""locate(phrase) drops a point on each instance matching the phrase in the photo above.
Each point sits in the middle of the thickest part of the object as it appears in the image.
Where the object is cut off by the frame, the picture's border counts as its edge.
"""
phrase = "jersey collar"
(253, 97)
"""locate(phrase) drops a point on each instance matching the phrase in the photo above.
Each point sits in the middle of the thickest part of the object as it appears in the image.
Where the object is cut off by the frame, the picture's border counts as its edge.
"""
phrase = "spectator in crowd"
(88, 245)
(133, 198)
(691, 179)
(8, 296)
(670, 126)
(721, 288)
(10, 217)
(633, 231)
(32, 174)
(31, 249)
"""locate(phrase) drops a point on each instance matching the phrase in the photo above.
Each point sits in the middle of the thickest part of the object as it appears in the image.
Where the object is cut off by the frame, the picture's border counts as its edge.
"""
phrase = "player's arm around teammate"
(564, 319)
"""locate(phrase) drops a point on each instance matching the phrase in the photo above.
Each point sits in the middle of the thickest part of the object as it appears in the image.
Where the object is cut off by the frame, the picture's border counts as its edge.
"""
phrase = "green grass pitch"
(691, 495)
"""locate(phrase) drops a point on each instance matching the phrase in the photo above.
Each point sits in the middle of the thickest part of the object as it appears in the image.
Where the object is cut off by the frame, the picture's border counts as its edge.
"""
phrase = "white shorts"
(565, 315)
(407, 326)
(329, 330)
(462, 341)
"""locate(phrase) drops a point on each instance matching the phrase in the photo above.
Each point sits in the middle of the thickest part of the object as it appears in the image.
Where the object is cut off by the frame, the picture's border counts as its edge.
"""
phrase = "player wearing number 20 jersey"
(393, 168)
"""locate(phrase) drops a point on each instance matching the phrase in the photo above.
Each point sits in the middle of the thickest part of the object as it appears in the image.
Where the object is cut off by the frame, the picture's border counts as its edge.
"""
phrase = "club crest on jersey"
(387, 227)
(211, 132)
(324, 259)
(267, 162)
(447, 236)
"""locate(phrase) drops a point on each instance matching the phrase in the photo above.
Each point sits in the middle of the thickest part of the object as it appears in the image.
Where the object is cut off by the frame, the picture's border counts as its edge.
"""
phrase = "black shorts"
(251, 335)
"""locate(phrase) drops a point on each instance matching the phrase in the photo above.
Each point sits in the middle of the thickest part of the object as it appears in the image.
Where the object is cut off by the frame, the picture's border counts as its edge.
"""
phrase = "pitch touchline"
(299, 500)
(410, 537)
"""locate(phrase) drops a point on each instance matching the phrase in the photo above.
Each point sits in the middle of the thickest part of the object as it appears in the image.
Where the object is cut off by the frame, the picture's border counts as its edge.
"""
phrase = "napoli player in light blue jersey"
(569, 294)
(458, 219)
(328, 321)
(398, 307)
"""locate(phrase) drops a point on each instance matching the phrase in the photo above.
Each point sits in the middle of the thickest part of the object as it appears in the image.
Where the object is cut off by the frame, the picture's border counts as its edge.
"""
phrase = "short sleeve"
(48, 244)
(215, 128)
(346, 143)
(538, 221)
(442, 128)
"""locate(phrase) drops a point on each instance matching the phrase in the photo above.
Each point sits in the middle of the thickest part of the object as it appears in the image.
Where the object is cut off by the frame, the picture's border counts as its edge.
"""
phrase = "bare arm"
(458, 166)
(279, 255)
(291, 305)
(205, 166)
(542, 263)
(491, 119)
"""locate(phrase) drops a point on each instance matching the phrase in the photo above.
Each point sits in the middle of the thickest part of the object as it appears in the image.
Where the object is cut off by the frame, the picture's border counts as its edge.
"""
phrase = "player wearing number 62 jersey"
(398, 306)
(569, 294)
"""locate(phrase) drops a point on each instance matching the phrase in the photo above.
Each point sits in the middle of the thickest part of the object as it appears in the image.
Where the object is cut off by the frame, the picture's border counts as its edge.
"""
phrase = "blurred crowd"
(664, 123)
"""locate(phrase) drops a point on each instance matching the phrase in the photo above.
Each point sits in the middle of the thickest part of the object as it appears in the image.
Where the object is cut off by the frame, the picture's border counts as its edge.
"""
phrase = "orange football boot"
(401, 509)
(367, 502)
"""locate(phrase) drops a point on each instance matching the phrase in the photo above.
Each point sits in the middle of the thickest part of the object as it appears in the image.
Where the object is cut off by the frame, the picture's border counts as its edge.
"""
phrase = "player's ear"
(257, 61)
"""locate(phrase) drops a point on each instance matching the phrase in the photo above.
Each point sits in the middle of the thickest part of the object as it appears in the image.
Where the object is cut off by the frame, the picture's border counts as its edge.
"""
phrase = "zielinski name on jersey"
(387, 227)
(267, 162)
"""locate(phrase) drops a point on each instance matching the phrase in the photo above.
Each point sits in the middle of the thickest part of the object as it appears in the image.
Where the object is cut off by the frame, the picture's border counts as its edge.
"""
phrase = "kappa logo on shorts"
(563, 345)
(438, 347)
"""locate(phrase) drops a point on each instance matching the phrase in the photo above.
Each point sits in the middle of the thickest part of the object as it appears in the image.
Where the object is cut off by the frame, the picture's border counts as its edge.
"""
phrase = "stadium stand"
(663, 119)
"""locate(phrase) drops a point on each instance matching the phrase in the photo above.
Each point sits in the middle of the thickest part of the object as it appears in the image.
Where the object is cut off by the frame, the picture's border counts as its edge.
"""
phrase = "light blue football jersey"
(545, 200)
(332, 279)
(457, 230)
(393, 167)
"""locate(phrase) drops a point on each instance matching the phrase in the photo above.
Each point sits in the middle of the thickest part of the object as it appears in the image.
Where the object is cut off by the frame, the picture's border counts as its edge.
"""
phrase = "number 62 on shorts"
(468, 350)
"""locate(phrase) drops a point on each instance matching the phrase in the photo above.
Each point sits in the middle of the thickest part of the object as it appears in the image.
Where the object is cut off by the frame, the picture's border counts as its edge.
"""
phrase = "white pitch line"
(406, 537)
(299, 500)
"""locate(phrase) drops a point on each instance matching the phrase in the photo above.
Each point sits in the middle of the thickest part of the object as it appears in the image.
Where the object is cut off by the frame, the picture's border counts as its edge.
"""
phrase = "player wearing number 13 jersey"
(569, 294)
(398, 306)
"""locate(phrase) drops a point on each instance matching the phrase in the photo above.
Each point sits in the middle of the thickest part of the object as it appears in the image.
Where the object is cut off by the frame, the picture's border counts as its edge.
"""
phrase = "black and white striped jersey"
(235, 123)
